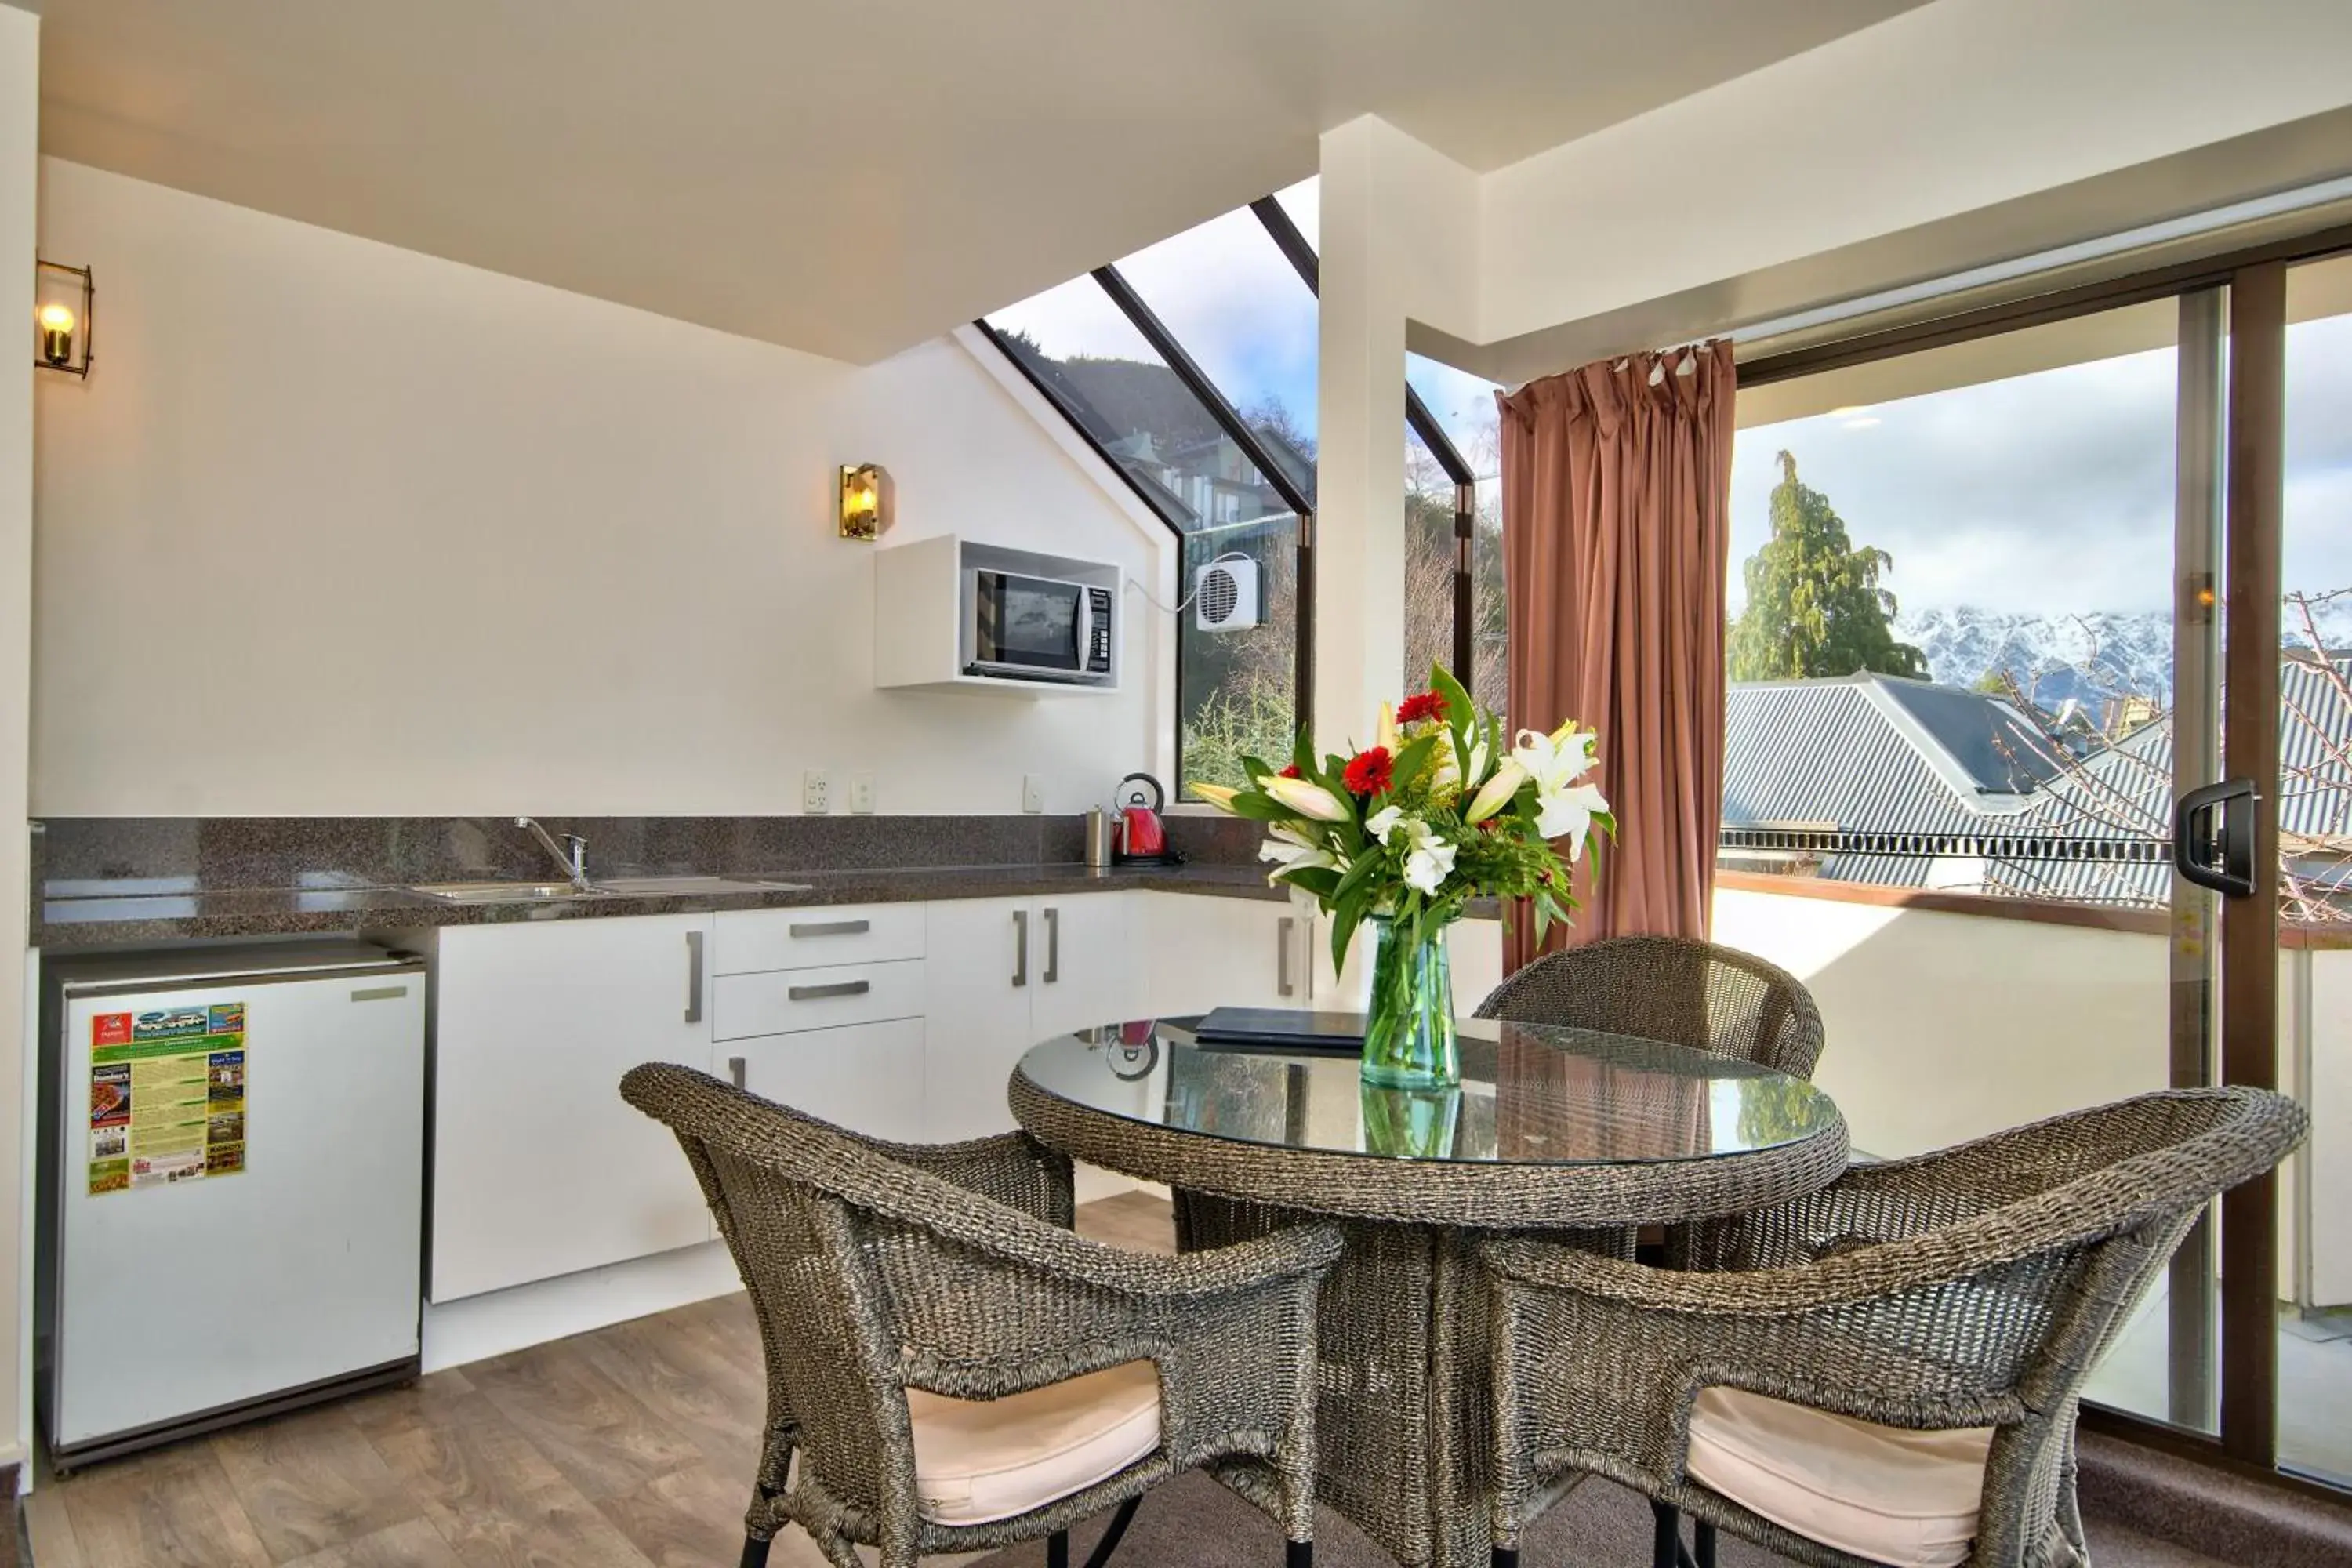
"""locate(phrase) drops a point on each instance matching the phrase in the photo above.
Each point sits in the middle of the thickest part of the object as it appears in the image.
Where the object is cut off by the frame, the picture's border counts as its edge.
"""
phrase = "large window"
(1192, 366)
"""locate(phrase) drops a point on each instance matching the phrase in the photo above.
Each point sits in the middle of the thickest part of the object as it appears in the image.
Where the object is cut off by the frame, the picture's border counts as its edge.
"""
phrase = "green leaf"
(1261, 808)
(1320, 880)
(1409, 761)
(1302, 752)
(1255, 768)
(1461, 710)
(1344, 921)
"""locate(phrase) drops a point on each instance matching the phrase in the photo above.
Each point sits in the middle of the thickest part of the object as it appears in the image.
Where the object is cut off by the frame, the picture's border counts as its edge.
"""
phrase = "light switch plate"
(861, 793)
(1032, 792)
(816, 793)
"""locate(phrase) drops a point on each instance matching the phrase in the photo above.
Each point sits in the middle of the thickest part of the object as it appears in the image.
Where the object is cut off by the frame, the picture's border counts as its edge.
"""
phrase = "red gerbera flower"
(1290, 770)
(1371, 772)
(1423, 705)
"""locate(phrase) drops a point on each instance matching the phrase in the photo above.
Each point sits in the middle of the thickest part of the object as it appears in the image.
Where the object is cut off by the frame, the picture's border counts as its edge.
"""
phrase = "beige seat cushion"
(983, 1459)
(1882, 1492)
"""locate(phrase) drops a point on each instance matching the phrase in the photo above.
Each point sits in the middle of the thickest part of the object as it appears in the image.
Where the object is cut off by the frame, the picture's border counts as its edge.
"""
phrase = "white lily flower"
(1555, 761)
(1567, 813)
(1382, 823)
(1308, 798)
(1286, 857)
(1496, 793)
(1295, 834)
(1387, 738)
(1431, 861)
(1217, 795)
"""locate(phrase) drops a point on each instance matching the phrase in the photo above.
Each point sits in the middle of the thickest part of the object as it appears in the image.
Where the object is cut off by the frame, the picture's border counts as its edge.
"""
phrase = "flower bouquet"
(1437, 811)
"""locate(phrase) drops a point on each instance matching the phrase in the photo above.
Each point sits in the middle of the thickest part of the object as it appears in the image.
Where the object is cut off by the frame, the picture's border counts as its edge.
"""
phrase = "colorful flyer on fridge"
(166, 1097)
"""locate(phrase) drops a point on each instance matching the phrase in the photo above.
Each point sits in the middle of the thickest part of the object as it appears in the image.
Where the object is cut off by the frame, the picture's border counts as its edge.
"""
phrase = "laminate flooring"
(627, 1448)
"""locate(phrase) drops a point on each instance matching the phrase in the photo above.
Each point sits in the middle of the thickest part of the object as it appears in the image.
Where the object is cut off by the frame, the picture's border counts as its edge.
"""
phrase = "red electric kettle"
(1142, 838)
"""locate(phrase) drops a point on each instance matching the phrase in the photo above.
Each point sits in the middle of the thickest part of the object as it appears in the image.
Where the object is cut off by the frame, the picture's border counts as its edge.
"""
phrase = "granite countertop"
(135, 911)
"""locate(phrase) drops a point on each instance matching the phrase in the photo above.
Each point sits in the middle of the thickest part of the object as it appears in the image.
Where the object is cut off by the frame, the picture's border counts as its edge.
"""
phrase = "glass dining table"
(1565, 1132)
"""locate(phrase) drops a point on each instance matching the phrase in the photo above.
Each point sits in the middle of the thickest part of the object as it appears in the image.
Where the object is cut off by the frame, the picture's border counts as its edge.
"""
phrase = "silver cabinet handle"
(693, 977)
(832, 928)
(1052, 946)
(819, 993)
(1021, 947)
(1283, 929)
(735, 1071)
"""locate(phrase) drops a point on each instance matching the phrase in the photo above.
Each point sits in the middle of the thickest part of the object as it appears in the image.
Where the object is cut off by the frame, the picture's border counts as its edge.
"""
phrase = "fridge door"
(183, 1294)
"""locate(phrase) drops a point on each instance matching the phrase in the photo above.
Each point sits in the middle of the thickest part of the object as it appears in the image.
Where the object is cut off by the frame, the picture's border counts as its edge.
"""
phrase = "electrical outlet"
(861, 793)
(816, 793)
(1032, 792)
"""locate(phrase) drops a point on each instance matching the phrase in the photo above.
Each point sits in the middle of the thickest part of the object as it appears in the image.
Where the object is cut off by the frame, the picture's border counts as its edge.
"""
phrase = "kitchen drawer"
(750, 941)
(786, 1000)
(868, 1077)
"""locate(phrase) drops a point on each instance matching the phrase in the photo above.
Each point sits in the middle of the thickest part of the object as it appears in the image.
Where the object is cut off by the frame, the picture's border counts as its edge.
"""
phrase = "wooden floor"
(626, 1448)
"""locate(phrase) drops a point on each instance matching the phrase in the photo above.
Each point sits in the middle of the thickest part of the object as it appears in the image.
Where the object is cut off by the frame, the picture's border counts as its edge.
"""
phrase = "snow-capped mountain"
(2090, 658)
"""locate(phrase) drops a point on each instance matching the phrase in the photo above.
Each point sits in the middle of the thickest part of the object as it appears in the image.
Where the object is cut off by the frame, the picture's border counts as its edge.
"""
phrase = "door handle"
(1021, 947)
(735, 1071)
(1052, 947)
(2213, 836)
(1282, 930)
(832, 928)
(693, 977)
(819, 993)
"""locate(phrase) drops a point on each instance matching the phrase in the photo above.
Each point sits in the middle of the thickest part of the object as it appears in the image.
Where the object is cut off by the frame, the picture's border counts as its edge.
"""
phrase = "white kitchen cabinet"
(1209, 951)
(1001, 974)
(540, 1168)
(868, 1077)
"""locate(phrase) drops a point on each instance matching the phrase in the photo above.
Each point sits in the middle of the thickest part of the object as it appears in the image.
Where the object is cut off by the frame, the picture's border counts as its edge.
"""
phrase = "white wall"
(20, 69)
(336, 528)
(1954, 107)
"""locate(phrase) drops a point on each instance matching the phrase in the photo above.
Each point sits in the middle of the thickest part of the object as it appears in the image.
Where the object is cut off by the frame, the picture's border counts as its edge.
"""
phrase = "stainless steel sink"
(690, 887)
(508, 893)
(608, 888)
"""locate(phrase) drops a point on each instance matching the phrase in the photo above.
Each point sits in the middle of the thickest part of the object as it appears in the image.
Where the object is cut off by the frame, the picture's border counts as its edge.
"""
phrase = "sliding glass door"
(2038, 765)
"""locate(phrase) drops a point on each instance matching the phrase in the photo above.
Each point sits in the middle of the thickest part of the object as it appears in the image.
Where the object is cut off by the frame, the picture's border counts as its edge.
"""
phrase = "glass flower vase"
(1409, 1040)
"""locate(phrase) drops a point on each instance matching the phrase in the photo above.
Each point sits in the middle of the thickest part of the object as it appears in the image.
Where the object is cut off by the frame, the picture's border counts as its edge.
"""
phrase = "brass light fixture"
(865, 500)
(64, 307)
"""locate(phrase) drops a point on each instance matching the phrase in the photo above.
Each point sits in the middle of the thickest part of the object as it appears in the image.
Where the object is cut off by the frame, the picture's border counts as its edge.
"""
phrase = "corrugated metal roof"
(1900, 784)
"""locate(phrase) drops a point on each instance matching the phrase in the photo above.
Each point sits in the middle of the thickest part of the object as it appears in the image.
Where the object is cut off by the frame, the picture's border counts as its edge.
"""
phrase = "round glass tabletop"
(1530, 1094)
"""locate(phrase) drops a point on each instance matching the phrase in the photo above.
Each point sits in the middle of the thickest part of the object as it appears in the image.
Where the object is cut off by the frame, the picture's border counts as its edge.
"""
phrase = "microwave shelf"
(942, 605)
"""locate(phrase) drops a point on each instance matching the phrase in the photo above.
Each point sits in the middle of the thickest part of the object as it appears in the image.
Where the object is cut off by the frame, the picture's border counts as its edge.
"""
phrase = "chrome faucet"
(572, 854)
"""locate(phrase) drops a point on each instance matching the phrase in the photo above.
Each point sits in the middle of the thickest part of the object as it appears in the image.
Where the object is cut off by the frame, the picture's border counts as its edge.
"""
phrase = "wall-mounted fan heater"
(1225, 595)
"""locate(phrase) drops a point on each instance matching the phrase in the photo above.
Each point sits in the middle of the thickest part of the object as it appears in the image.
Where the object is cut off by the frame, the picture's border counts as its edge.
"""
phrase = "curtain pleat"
(1616, 496)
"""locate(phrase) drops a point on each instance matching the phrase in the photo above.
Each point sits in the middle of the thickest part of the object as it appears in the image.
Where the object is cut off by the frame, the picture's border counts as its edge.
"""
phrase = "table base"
(1404, 1426)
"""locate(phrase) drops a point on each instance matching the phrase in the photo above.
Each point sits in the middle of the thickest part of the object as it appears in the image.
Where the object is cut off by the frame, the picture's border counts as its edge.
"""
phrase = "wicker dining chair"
(957, 1371)
(1671, 988)
(1886, 1372)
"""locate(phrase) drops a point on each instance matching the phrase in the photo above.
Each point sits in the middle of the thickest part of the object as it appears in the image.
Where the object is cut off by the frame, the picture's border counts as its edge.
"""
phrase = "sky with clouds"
(2047, 493)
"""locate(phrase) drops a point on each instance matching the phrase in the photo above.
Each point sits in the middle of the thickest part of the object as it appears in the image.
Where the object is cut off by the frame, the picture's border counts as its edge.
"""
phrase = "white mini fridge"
(232, 1171)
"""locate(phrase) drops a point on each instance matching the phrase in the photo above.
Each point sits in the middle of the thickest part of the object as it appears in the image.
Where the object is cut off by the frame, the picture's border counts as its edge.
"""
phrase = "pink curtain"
(1616, 490)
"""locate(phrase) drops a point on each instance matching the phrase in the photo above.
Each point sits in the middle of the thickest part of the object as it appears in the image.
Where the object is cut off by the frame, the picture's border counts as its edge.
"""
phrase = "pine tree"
(1814, 605)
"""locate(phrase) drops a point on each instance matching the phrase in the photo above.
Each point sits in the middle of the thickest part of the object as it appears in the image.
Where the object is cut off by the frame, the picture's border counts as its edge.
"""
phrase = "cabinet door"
(981, 962)
(868, 1077)
(1085, 963)
(1205, 951)
(540, 1168)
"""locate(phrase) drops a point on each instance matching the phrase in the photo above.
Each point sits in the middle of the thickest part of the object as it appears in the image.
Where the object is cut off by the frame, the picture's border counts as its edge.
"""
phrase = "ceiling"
(845, 176)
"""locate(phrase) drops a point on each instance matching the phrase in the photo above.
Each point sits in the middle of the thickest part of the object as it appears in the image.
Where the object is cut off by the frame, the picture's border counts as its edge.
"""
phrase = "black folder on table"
(1282, 1029)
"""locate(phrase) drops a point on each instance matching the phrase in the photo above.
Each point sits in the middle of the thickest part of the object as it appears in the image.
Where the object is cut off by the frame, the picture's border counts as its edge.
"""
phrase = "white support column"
(1359, 432)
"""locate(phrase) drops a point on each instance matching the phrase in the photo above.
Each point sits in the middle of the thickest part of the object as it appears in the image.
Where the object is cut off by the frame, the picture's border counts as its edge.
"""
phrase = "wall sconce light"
(65, 305)
(865, 500)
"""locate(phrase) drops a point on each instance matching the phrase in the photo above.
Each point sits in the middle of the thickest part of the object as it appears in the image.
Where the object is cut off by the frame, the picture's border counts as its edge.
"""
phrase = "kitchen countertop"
(96, 915)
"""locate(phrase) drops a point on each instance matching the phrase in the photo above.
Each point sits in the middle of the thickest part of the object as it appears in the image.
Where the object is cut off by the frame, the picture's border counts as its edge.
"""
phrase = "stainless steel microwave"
(1039, 628)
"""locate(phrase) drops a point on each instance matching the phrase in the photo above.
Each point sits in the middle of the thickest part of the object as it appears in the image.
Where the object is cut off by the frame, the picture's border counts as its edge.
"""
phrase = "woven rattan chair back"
(876, 1267)
(1693, 993)
(1977, 1286)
